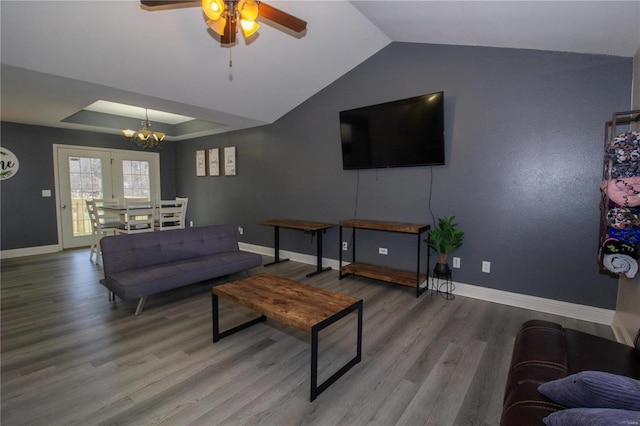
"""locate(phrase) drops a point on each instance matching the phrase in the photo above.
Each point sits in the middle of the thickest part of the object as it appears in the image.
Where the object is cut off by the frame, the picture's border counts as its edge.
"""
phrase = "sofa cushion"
(592, 417)
(141, 282)
(128, 252)
(594, 389)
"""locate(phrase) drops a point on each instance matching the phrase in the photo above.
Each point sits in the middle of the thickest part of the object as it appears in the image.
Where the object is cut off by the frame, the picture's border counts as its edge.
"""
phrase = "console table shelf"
(396, 276)
(391, 275)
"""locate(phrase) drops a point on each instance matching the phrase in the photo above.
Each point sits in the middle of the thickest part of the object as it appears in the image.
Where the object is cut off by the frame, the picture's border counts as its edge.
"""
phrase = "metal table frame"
(316, 389)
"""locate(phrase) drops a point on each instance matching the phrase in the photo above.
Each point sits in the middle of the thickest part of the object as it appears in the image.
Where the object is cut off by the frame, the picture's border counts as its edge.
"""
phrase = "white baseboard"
(549, 306)
(29, 251)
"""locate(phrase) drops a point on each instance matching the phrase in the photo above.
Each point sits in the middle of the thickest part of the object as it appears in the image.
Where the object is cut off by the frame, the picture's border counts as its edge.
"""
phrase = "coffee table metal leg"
(216, 323)
(318, 389)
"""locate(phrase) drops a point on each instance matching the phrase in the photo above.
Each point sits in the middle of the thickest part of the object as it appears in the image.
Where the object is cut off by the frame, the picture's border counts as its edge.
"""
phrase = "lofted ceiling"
(59, 57)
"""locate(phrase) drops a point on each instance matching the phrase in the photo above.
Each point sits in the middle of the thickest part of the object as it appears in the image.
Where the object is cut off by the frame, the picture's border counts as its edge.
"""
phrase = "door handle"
(64, 206)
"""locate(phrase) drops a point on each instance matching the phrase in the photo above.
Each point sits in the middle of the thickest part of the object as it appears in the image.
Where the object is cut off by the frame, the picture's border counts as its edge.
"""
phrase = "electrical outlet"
(190, 224)
(240, 230)
(382, 250)
(486, 267)
(456, 262)
(345, 246)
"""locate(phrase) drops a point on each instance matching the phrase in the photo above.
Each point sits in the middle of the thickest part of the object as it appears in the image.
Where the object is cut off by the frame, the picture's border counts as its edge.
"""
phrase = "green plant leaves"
(445, 238)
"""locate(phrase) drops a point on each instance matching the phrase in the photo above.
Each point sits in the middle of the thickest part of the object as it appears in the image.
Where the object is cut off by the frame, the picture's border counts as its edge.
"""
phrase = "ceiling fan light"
(218, 26)
(128, 133)
(249, 27)
(213, 9)
(248, 9)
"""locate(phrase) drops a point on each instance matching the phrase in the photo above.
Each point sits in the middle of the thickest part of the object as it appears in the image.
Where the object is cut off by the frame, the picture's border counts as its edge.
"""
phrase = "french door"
(86, 173)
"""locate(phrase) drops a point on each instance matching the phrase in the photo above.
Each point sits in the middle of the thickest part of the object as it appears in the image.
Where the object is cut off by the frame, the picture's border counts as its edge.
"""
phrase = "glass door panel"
(83, 175)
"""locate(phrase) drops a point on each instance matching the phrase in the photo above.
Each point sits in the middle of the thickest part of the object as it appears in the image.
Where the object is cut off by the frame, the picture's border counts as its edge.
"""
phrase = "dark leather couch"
(545, 351)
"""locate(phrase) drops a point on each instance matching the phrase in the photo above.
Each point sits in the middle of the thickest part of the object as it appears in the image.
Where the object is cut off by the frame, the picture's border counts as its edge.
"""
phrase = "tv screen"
(402, 133)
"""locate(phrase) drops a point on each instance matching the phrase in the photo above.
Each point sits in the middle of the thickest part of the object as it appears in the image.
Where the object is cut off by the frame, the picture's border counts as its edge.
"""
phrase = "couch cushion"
(594, 389)
(148, 280)
(129, 252)
(592, 417)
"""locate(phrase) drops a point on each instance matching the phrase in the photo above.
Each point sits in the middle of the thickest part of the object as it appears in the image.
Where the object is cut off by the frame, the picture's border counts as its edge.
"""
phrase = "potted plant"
(444, 239)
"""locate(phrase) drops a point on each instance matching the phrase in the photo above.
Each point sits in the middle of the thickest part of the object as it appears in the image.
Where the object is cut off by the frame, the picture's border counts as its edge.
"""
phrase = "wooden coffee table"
(302, 306)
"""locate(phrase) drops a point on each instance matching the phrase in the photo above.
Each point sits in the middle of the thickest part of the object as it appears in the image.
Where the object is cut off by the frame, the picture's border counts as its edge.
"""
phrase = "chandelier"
(145, 138)
(225, 15)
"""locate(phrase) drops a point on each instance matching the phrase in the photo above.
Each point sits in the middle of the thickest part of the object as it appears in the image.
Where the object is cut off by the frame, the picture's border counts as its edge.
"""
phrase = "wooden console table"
(303, 225)
(397, 276)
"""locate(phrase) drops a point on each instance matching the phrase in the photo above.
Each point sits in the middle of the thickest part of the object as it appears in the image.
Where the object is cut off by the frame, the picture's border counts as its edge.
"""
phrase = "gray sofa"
(138, 265)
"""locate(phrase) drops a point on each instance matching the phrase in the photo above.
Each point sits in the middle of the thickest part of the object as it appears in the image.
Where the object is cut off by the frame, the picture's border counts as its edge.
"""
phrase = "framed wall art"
(201, 169)
(230, 161)
(214, 162)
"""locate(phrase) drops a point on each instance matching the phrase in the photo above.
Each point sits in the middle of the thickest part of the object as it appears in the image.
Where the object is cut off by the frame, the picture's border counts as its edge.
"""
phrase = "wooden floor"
(70, 356)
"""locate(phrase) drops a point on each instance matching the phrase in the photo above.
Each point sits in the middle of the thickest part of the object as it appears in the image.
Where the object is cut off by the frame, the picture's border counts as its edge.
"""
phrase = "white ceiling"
(61, 56)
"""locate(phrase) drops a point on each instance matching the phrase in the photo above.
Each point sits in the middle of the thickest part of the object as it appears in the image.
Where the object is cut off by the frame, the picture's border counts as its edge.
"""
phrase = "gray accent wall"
(524, 145)
(26, 218)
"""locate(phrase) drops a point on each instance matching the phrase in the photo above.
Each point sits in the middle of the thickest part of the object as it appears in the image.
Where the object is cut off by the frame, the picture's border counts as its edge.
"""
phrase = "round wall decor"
(9, 164)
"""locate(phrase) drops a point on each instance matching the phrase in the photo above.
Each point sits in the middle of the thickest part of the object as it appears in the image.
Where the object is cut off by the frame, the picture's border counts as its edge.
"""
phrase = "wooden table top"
(299, 305)
(381, 225)
(304, 225)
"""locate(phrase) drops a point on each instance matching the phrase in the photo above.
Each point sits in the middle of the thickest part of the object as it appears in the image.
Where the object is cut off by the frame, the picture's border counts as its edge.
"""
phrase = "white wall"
(627, 317)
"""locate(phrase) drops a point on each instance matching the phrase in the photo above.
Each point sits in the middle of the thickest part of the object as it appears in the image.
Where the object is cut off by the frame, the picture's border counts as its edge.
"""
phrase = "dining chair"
(170, 215)
(138, 217)
(107, 217)
(184, 210)
(99, 228)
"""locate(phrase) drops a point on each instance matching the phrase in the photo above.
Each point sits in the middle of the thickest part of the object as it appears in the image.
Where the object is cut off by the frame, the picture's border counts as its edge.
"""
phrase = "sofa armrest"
(539, 355)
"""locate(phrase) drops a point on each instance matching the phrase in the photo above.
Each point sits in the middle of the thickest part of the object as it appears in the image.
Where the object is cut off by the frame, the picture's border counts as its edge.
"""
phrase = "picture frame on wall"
(214, 162)
(200, 163)
(230, 168)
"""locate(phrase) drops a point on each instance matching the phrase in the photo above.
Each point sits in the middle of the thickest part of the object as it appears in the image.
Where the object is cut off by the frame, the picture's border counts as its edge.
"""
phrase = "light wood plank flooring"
(70, 356)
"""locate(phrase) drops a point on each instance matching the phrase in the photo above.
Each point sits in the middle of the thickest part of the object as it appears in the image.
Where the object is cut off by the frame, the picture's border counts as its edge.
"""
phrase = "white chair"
(170, 215)
(108, 218)
(138, 217)
(99, 228)
(184, 209)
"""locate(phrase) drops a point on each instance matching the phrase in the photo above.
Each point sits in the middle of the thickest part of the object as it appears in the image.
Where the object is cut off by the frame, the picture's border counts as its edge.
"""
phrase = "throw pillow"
(594, 389)
(592, 417)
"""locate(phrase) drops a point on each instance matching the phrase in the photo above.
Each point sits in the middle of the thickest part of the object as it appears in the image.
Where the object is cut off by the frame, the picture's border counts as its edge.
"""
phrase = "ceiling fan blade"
(280, 17)
(158, 3)
(229, 36)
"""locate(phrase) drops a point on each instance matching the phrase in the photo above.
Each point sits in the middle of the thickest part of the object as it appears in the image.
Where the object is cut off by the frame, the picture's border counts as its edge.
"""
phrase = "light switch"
(46, 193)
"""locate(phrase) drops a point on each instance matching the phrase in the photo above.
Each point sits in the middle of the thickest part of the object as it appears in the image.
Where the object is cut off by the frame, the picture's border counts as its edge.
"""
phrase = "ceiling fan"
(225, 15)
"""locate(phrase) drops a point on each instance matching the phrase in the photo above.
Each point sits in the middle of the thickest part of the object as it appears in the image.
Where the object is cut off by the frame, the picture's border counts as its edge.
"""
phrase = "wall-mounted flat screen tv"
(402, 133)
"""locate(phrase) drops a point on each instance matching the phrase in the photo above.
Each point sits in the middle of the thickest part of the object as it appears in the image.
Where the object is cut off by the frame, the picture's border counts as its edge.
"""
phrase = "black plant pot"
(441, 269)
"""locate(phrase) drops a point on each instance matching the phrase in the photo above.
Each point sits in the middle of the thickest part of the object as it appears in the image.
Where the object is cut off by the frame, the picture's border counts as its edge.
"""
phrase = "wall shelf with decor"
(620, 196)
(382, 273)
